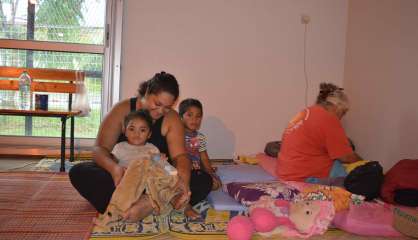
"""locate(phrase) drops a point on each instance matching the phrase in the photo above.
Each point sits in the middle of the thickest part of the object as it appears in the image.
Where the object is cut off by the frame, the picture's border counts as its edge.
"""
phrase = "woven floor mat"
(42, 205)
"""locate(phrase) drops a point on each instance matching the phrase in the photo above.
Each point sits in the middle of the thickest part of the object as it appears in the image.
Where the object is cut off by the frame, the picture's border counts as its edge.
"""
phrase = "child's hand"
(159, 156)
(216, 182)
(117, 174)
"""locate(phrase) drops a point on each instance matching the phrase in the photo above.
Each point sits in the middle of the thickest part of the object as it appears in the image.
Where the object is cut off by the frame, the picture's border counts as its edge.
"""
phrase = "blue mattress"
(243, 173)
(221, 201)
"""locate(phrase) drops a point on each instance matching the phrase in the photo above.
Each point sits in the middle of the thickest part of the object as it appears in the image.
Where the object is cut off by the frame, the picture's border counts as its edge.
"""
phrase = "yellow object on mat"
(340, 197)
(248, 159)
(161, 236)
(350, 166)
(185, 236)
(214, 216)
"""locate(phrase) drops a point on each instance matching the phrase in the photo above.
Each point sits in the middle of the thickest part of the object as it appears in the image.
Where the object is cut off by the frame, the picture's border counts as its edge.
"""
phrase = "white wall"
(381, 74)
(242, 58)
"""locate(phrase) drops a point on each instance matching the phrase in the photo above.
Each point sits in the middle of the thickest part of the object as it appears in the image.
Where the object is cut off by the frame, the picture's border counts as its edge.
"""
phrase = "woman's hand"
(163, 157)
(117, 174)
(184, 199)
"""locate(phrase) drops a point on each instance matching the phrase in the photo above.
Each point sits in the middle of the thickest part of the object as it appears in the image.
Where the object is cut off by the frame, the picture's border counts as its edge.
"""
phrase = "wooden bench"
(50, 81)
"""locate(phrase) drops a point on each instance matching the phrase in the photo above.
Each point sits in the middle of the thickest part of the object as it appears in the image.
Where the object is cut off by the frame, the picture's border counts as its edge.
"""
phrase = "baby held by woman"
(146, 171)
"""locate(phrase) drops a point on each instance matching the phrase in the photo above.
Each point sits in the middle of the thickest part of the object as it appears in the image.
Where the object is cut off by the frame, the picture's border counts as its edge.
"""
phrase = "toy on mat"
(290, 219)
(247, 159)
(240, 228)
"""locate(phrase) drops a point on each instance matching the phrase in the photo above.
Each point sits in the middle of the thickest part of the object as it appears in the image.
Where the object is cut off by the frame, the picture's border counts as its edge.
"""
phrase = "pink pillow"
(267, 163)
(368, 219)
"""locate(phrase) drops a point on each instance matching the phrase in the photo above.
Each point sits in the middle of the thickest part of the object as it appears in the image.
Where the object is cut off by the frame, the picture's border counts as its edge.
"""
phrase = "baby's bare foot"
(139, 210)
(177, 201)
(190, 212)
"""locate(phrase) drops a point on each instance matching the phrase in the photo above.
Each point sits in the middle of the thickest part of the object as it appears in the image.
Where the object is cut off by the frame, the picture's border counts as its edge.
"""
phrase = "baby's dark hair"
(325, 90)
(187, 103)
(141, 114)
(161, 82)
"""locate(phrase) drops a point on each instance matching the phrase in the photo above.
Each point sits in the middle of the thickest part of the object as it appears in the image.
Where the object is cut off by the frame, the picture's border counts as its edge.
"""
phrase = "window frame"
(111, 50)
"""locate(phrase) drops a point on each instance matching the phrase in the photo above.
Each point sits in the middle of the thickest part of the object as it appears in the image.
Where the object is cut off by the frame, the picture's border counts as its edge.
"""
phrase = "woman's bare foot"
(190, 212)
(139, 210)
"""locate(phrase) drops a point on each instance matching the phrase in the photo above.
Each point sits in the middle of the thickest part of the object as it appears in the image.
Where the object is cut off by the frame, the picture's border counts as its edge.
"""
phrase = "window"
(70, 34)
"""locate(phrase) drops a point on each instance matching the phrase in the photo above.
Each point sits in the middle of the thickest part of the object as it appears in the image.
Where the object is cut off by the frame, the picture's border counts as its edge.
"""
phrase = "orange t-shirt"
(310, 143)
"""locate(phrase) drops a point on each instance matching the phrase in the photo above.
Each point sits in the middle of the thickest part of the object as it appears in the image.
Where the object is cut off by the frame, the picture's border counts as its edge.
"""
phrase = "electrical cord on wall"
(304, 64)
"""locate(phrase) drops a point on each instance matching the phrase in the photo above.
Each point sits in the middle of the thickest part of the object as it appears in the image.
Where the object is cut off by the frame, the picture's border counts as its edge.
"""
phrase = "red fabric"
(403, 175)
(310, 143)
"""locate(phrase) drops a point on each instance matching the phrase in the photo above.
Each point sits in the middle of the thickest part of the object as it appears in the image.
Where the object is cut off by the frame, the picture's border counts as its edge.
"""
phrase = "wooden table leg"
(63, 126)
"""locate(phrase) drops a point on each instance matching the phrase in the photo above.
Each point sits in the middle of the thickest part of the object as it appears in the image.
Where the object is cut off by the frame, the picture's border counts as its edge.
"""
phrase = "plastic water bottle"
(25, 91)
(170, 170)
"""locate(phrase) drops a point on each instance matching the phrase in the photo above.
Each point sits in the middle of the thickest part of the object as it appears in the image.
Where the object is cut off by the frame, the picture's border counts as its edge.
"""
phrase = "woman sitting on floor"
(315, 138)
(96, 181)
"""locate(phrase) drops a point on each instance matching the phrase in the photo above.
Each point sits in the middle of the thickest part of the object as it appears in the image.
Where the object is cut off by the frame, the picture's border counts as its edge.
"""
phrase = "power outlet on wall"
(305, 19)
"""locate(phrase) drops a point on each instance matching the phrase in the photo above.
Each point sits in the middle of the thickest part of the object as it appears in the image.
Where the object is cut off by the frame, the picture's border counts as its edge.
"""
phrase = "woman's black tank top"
(156, 137)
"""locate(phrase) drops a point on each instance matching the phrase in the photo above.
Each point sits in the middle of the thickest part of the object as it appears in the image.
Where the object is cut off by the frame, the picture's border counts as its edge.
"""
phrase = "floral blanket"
(248, 193)
(211, 223)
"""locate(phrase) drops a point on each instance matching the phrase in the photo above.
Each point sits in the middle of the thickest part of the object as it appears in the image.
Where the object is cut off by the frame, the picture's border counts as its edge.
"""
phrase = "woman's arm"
(173, 130)
(108, 134)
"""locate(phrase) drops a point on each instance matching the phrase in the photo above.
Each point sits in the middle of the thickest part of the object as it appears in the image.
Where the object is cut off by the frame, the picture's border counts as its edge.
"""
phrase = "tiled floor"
(18, 164)
(24, 158)
(35, 151)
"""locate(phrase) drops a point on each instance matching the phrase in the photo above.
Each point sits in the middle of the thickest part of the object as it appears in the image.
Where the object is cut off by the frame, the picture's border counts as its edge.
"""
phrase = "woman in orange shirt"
(315, 138)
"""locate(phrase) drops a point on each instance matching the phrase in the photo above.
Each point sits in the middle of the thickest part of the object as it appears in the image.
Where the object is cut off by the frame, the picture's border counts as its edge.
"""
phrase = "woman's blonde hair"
(332, 94)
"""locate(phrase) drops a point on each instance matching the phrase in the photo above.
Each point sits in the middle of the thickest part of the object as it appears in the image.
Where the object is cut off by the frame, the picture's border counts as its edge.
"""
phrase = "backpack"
(365, 180)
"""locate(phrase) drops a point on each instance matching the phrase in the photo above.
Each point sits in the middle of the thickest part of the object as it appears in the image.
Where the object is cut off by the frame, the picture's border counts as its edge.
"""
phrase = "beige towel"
(141, 174)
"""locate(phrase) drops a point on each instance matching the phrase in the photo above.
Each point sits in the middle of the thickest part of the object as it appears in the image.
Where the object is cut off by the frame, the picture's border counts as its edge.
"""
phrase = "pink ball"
(240, 228)
(264, 220)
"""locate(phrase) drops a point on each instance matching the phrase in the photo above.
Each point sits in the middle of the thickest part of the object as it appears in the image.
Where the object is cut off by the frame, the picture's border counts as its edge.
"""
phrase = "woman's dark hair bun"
(161, 81)
(160, 74)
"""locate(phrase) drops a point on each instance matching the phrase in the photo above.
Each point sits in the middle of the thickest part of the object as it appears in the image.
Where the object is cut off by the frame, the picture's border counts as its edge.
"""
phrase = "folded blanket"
(141, 176)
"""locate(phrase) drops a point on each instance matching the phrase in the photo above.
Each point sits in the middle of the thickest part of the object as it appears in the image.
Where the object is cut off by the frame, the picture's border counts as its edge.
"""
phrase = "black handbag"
(365, 180)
